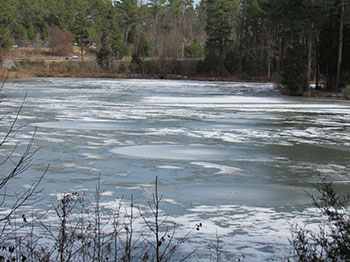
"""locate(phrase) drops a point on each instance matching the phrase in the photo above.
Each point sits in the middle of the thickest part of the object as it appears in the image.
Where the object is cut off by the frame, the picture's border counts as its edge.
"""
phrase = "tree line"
(292, 41)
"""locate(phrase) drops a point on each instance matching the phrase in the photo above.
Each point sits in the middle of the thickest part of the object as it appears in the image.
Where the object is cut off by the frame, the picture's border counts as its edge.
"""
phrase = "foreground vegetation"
(80, 230)
(292, 41)
(332, 240)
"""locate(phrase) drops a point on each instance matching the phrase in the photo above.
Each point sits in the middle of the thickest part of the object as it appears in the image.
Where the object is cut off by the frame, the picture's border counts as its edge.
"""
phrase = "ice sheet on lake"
(216, 142)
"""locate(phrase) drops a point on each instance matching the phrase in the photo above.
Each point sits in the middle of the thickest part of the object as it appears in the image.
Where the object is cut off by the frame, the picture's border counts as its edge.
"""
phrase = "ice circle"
(175, 152)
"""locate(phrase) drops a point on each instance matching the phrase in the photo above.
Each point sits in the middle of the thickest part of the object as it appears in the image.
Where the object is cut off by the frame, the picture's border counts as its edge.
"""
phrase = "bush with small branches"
(13, 163)
(346, 92)
(332, 241)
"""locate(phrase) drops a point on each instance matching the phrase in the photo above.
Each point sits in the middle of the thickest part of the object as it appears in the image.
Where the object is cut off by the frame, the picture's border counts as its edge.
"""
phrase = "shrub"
(194, 50)
(233, 61)
(209, 65)
(122, 69)
(293, 76)
(332, 241)
(254, 62)
(61, 42)
(346, 92)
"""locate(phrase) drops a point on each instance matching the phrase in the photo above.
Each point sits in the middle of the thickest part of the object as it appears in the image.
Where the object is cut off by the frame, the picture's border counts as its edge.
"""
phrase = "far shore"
(33, 74)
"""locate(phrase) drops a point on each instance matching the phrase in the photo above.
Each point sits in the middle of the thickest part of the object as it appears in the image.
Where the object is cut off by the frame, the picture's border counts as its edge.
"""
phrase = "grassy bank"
(40, 62)
(32, 62)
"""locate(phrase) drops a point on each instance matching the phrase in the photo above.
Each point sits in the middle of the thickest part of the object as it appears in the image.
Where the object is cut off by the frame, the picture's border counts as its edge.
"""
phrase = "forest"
(292, 42)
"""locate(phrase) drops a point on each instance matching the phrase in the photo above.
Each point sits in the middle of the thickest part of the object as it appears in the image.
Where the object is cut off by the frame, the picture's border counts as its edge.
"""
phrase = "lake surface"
(237, 157)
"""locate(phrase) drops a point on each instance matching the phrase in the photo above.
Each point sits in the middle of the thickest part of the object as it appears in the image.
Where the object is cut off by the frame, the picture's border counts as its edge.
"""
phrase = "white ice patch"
(174, 152)
(91, 156)
(213, 101)
(171, 167)
(107, 193)
(79, 168)
(170, 201)
(224, 136)
(52, 140)
(223, 170)
(124, 174)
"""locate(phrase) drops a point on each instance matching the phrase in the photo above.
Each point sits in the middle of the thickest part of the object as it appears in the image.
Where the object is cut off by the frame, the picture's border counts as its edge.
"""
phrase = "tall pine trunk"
(340, 46)
(82, 55)
(317, 69)
(309, 62)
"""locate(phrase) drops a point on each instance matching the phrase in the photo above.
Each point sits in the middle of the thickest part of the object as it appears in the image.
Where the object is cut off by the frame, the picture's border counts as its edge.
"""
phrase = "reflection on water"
(236, 156)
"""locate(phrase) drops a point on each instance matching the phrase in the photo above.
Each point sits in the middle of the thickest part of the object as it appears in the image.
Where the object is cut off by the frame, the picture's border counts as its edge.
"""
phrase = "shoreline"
(21, 75)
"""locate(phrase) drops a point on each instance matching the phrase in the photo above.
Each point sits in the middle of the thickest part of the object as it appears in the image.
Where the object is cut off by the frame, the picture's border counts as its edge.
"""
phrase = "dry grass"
(45, 53)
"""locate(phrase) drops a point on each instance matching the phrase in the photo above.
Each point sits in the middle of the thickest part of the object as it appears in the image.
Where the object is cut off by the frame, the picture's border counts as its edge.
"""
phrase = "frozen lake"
(237, 157)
